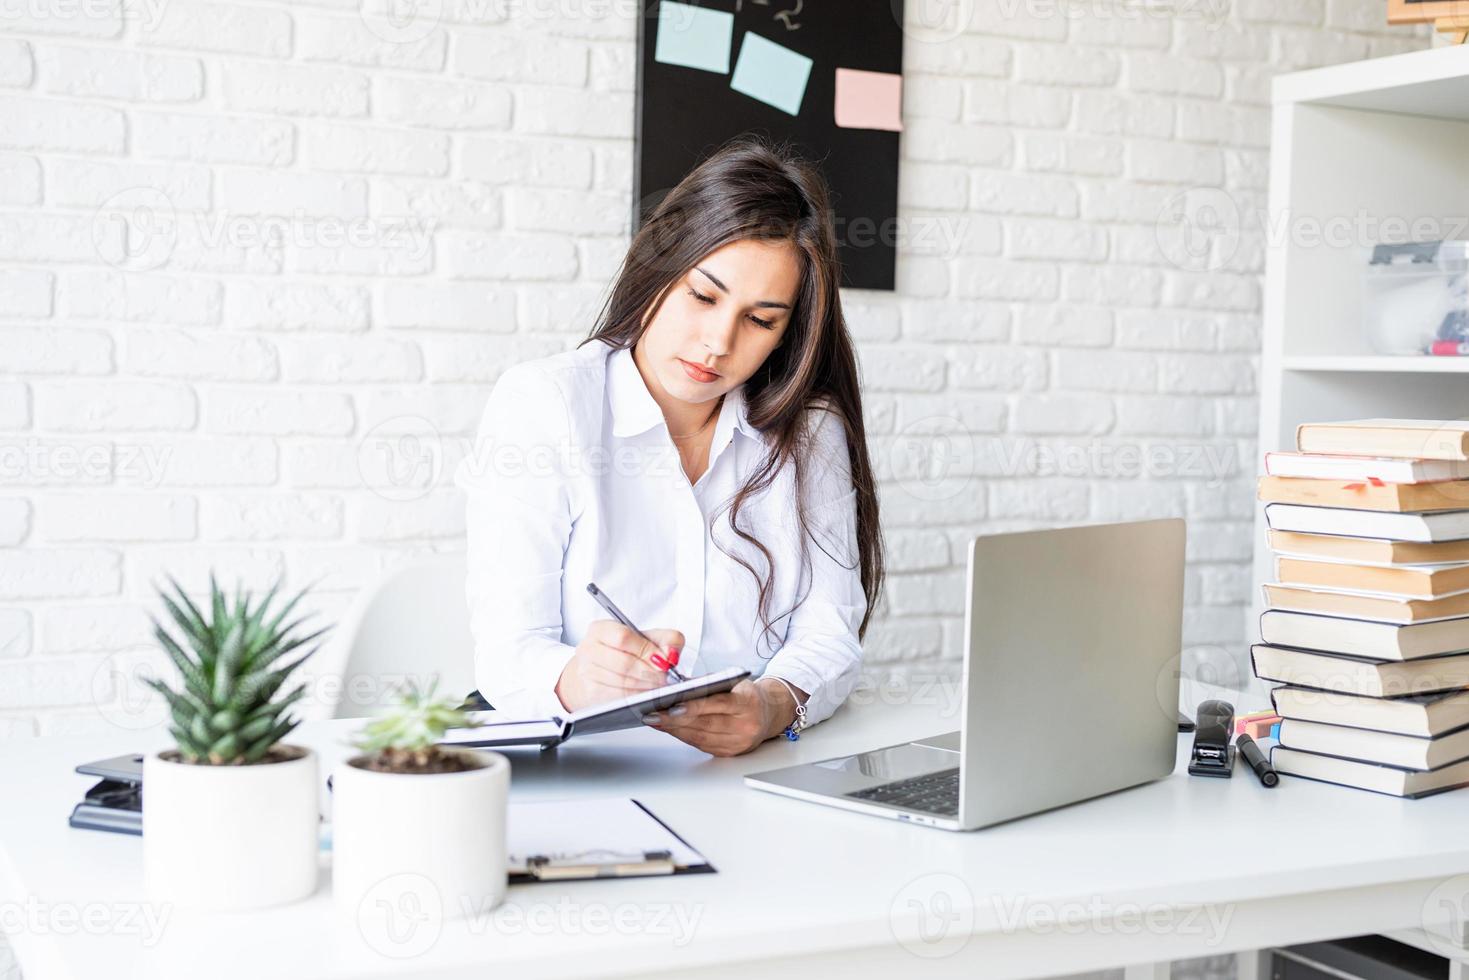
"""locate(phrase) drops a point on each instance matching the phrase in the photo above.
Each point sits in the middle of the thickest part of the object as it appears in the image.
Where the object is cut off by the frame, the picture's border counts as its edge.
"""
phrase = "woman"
(701, 457)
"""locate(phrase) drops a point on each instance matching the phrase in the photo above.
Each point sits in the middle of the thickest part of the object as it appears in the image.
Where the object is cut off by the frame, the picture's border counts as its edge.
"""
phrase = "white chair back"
(412, 625)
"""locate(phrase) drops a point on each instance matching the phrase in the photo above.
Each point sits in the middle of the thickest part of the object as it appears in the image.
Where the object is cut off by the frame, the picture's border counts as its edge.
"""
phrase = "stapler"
(1213, 755)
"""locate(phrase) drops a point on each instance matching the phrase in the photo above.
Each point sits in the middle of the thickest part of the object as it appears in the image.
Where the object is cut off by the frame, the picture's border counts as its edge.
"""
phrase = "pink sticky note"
(869, 100)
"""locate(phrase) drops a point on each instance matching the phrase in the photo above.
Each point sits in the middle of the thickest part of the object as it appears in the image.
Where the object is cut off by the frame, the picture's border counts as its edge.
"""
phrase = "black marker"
(1257, 760)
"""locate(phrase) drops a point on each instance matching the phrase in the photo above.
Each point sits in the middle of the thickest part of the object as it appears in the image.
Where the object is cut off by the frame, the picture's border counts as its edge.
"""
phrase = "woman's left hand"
(732, 723)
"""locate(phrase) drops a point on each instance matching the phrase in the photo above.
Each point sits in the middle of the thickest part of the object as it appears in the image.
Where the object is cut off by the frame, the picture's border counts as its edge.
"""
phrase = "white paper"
(596, 831)
(1416, 566)
(502, 732)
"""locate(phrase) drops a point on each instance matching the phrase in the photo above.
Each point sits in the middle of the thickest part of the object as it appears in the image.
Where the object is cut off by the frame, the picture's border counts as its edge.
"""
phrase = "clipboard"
(610, 838)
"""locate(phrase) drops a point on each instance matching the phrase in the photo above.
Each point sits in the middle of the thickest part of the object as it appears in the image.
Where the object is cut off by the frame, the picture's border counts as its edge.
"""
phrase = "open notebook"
(611, 717)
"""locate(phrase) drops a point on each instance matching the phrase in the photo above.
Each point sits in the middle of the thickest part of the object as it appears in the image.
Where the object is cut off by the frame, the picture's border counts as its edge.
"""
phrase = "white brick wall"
(370, 220)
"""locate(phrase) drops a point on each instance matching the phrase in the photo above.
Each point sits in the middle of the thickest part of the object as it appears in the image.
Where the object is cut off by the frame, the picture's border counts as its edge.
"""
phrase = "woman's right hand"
(612, 662)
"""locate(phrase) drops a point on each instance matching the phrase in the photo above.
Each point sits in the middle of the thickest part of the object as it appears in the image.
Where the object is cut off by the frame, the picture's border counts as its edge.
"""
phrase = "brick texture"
(244, 248)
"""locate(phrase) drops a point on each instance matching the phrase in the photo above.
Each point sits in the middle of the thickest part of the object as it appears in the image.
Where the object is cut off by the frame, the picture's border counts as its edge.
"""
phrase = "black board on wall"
(684, 114)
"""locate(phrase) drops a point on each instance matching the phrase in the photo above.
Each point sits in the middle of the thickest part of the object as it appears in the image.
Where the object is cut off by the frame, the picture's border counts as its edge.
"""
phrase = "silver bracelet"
(794, 729)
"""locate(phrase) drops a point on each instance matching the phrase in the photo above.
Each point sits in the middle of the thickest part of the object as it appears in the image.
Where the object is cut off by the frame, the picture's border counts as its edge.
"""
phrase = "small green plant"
(405, 737)
(226, 711)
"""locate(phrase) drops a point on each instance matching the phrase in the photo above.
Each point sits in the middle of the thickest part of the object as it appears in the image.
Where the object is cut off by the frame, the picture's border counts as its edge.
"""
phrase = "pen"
(1257, 760)
(611, 607)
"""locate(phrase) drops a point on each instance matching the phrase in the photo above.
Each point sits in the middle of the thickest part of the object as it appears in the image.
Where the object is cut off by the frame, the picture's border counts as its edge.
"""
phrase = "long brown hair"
(752, 189)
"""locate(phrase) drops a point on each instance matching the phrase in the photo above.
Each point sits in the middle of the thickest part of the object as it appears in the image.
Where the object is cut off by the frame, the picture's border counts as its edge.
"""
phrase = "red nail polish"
(659, 662)
(673, 656)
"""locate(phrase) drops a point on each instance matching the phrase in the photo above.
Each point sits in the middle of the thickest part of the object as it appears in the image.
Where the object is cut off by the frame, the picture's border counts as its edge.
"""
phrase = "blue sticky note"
(771, 72)
(694, 37)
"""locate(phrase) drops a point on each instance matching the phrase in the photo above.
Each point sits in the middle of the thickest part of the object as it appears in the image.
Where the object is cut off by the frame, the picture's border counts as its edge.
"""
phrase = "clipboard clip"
(599, 864)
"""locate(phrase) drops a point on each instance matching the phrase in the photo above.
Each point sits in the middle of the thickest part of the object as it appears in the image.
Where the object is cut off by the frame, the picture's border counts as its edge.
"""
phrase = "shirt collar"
(634, 411)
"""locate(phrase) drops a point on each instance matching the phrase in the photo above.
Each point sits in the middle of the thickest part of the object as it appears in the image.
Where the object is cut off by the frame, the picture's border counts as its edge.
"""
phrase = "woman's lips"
(697, 373)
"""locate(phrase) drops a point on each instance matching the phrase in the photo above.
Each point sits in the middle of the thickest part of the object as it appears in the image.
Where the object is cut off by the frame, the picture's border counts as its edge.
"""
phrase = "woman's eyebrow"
(723, 288)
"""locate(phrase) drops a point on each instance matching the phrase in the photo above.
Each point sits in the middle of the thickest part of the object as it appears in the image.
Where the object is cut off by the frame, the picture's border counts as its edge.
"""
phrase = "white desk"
(799, 886)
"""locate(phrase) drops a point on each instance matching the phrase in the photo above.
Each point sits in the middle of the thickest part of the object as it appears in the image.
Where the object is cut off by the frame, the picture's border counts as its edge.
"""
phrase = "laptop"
(1072, 639)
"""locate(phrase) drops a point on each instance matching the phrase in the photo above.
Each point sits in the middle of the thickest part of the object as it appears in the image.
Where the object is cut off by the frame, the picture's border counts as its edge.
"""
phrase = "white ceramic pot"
(440, 836)
(230, 837)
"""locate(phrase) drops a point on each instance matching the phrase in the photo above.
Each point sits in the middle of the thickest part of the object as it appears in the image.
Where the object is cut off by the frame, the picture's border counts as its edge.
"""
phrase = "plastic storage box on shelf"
(1417, 298)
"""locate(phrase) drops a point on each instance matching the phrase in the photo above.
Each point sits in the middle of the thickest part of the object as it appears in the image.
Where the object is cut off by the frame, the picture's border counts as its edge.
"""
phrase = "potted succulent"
(408, 806)
(230, 816)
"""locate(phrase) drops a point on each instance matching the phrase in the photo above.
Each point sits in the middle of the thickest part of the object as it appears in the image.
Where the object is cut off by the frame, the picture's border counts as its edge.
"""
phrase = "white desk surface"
(799, 886)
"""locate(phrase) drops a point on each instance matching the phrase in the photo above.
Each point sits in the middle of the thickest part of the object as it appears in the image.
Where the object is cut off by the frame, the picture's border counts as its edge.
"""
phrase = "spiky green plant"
(406, 736)
(226, 711)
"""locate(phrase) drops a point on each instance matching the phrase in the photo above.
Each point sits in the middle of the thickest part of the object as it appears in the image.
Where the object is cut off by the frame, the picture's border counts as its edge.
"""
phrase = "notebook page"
(502, 732)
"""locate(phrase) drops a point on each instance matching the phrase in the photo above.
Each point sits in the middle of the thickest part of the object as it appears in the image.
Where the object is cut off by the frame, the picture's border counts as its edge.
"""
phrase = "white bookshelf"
(1379, 138)
(1373, 363)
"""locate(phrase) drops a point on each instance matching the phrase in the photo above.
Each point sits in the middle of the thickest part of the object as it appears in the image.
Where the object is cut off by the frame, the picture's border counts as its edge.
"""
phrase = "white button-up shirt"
(575, 479)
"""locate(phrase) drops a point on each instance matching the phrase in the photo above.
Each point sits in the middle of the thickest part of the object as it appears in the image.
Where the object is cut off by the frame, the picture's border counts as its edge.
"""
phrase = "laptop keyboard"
(936, 792)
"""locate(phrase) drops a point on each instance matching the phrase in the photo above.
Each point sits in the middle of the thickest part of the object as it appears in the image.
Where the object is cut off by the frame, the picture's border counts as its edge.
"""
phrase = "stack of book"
(1367, 623)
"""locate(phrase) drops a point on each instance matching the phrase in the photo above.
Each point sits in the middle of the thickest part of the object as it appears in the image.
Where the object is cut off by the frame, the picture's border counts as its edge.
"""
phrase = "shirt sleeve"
(821, 654)
(518, 518)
